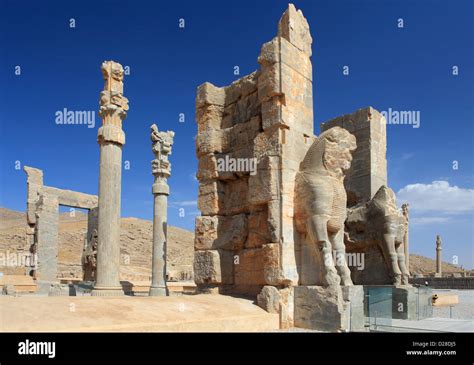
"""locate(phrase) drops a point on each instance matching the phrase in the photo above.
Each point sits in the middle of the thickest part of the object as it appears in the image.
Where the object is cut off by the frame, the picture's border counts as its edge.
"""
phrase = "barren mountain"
(135, 247)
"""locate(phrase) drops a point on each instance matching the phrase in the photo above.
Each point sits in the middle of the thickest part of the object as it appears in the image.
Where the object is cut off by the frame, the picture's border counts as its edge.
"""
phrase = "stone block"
(296, 59)
(221, 232)
(241, 87)
(354, 307)
(272, 113)
(269, 299)
(208, 94)
(241, 111)
(264, 186)
(248, 269)
(368, 170)
(235, 197)
(258, 233)
(241, 136)
(269, 84)
(212, 267)
(47, 237)
(275, 300)
(207, 168)
(294, 27)
(274, 222)
(332, 309)
(209, 117)
(287, 309)
(72, 198)
(34, 185)
(210, 197)
(271, 264)
(212, 141)
(298, 90)
(270, 52)
(267, 143)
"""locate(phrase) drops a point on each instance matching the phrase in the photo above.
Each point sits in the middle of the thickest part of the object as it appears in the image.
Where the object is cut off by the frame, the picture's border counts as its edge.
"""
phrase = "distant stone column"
(406, 212)
(111, 138)
(161, 169)
(439, 270)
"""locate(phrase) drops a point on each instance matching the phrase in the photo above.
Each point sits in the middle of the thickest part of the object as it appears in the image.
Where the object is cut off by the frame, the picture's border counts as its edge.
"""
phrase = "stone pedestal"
(113, 107)
(332, 309)
(161, 169)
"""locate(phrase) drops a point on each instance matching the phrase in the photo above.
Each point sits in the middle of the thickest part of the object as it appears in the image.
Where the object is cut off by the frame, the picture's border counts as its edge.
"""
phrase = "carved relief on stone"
(112, 102)
(405, 211)
(380, 222)
(89, 256)
(162, 143)
(320, 200)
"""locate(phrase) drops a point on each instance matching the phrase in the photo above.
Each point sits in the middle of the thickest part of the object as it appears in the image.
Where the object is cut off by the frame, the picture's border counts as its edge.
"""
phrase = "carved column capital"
(113, 105)
(162, 143)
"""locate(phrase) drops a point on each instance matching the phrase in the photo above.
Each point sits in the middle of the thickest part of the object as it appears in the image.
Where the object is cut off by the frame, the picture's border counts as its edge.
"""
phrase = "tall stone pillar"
(439, 270)
(34, 189)
(405, 212)
(111, 138)
(47, 223)
(161, 169)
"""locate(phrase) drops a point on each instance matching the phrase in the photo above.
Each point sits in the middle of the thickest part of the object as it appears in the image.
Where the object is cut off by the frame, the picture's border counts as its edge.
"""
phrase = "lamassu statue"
(320, 201)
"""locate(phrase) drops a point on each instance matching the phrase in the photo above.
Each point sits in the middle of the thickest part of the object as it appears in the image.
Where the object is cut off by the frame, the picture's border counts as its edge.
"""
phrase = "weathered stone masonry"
(42, 216)
(245, 237)
(246, 240)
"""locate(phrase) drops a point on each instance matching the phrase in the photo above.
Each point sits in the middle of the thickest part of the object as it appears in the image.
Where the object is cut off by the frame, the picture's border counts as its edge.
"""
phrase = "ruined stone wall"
(42, 217)
(245, 239)
(368, 170)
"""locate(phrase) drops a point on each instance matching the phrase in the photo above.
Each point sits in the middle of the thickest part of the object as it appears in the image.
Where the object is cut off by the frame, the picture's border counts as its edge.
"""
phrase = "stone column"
(34, 189)
(111, 138)
(47, 221)
(439, 270)
(161, 169)
(405, 212)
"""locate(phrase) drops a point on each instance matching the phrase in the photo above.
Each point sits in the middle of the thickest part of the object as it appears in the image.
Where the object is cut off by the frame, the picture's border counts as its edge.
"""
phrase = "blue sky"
(406, 69)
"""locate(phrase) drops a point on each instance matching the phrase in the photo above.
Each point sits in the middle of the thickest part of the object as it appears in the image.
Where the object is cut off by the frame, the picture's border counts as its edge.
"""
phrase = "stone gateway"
(283, 232)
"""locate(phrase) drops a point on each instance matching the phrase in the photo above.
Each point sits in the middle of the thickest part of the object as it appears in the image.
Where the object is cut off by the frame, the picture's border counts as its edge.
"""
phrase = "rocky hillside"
(424, 265)
(135, 242)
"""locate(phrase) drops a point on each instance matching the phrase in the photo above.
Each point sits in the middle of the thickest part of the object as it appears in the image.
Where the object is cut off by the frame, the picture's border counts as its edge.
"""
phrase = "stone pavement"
(189, 313)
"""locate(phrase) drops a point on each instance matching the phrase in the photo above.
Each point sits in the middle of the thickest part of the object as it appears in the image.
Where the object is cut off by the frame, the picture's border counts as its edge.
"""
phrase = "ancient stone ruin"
(277, 215)
(161, 169)
(42, 217)
(111, 138)
(303, 224)
(372, 204)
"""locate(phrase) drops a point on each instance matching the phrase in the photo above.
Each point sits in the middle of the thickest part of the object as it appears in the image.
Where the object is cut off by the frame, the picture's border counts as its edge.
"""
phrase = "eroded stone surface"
(264, 117)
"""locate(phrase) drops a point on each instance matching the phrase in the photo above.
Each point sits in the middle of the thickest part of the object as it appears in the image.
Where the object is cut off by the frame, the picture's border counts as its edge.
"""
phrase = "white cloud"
(438, 196)
(428, 220)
